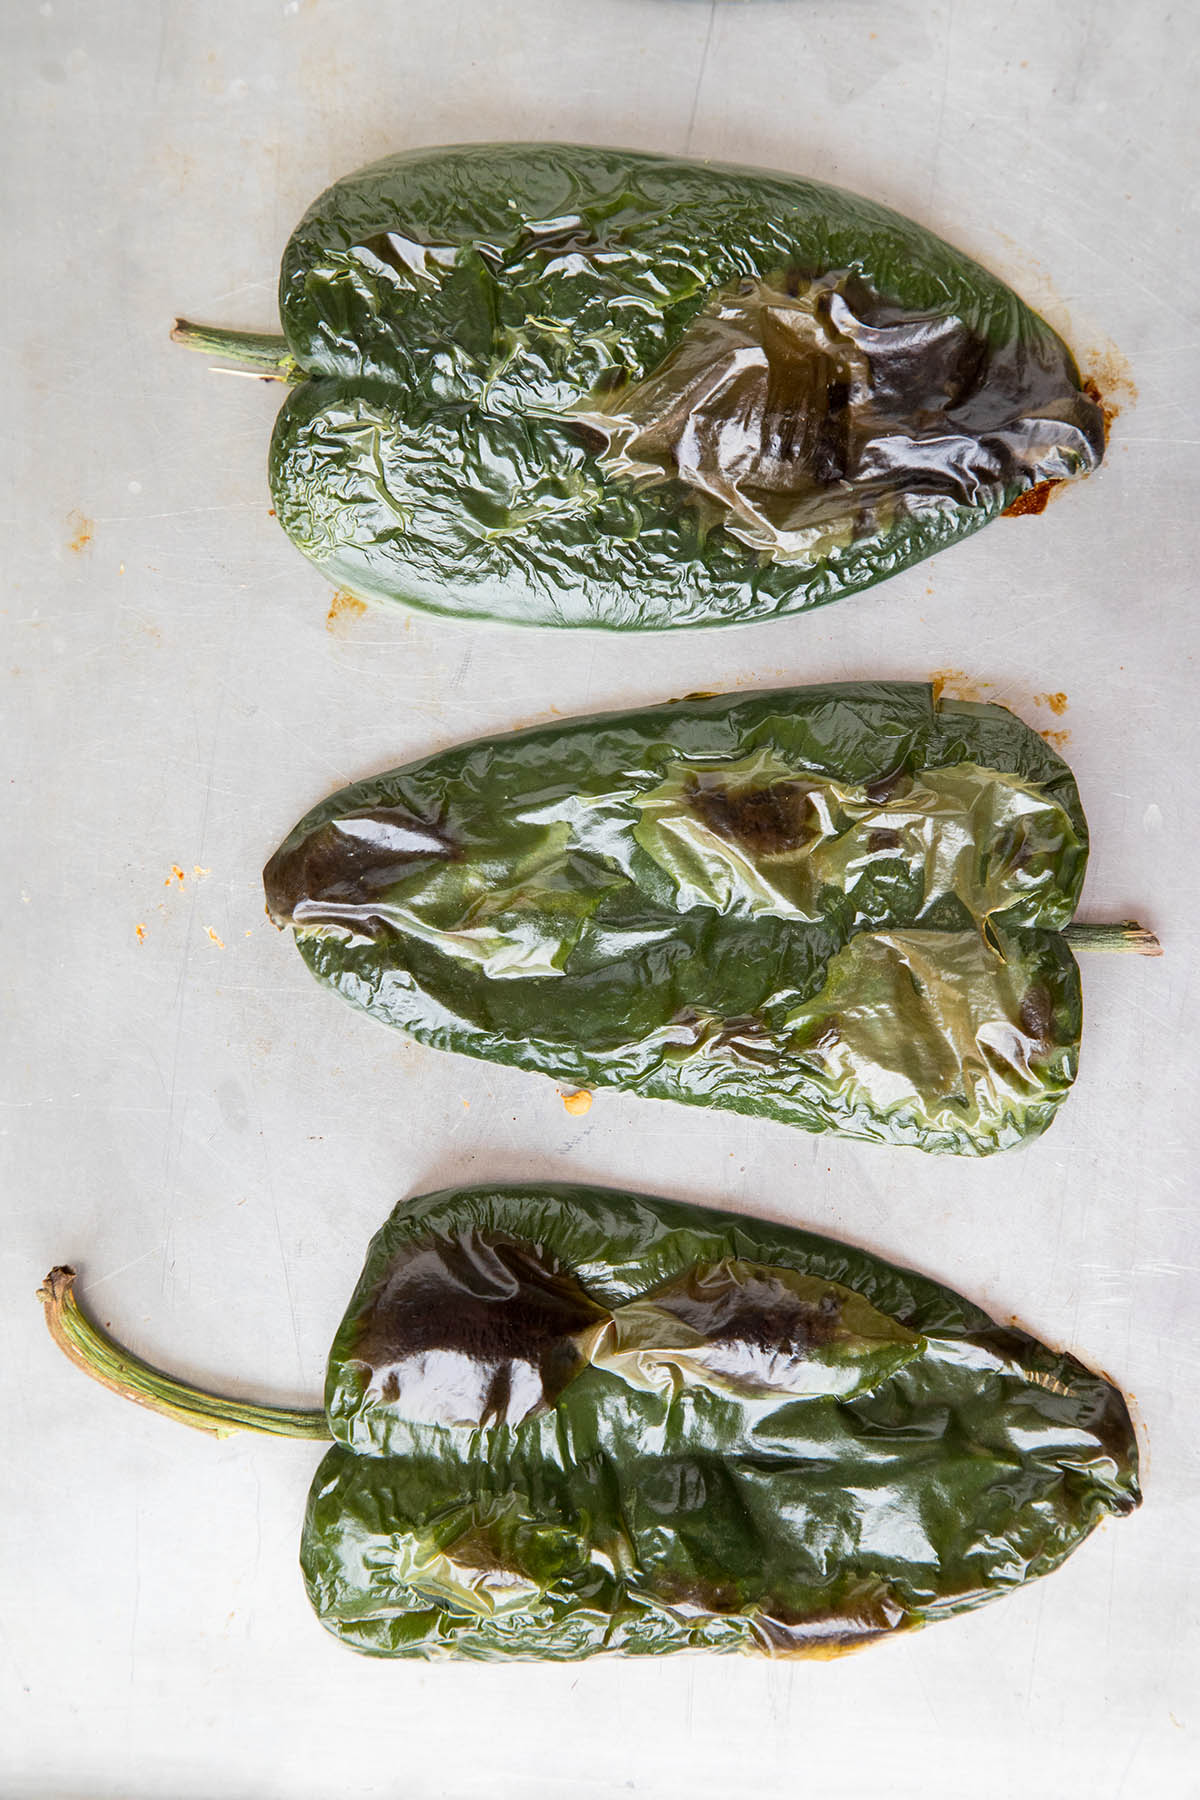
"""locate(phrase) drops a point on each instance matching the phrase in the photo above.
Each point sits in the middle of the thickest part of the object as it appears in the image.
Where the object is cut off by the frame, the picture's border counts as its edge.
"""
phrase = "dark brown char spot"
(758, 1310)
(1036, 1013)
(347, 863)
(1106, 1415)
(1115, 1435)
(863, 1619)
(386, 248)
(464, 1317)
(832, 449)
(830, 1634)
(697, 1595)
(766, 820)
(609, 381)
(746, 1038)
(745, 1035)
(886, 788)
(1012, 849)
(593, 441)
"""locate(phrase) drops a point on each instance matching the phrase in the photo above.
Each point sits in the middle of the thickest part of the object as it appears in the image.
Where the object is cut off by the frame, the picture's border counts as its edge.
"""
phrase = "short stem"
(107, 1362)
(1128, 936)
(257, 349)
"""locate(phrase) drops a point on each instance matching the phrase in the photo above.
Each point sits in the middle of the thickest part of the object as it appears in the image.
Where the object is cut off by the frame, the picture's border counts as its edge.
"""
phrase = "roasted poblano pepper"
(572, 386)
(570, 1420)
(842, 907)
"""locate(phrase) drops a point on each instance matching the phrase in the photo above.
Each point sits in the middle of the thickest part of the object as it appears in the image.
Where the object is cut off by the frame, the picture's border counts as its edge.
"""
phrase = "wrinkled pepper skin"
(572, 1421)
(557, 385)
(839, 907)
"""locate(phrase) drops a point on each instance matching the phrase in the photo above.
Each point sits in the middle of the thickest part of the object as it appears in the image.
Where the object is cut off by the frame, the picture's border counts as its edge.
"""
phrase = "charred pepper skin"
(839, 907)
(559, 385)
(849, 1450)
(571, 1420)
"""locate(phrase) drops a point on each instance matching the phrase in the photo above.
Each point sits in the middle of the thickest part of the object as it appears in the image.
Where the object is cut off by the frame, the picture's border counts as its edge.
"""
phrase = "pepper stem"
(91, 1349)
(261, 351)
(1128, 936)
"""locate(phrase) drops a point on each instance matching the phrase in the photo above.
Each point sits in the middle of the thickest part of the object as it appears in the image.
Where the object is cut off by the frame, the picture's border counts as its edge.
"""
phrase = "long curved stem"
(1128, 936)
(91, 1349)
(269, 356)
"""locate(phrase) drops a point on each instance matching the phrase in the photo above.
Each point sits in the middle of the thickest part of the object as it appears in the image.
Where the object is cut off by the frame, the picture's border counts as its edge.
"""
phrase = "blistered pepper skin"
(571, 1420)
(839, 907)
(767, 1441)
(559, 385)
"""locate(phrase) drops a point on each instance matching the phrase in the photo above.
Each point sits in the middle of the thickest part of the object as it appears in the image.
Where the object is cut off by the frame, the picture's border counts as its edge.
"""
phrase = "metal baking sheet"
(212, 1138)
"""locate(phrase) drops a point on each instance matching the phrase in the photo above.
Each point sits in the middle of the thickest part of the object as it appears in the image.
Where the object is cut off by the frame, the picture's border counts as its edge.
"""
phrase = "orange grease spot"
(83, 528)
(343, 608)
(175, 875)
(140, 933)
(1056, 702)
(1057, 740)
(958, 684)
(577, 1104)
(216, 940)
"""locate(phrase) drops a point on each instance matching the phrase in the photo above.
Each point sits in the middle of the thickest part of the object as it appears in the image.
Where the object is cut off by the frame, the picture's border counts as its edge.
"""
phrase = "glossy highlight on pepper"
(840, 907)
(555, 384)
(572, 1421)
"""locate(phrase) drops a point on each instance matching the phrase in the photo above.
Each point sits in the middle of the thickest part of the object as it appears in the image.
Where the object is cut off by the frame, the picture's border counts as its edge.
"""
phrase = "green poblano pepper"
(841, 907)
(572, 386)
(570, 1420)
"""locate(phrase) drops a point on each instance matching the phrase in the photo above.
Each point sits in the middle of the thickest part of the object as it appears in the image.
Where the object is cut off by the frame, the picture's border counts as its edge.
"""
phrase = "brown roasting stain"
(1110, 384)
(956, 684)
(1033, 501)
(83, 528)
(529, 721)
(1109, 410)
(344, 608)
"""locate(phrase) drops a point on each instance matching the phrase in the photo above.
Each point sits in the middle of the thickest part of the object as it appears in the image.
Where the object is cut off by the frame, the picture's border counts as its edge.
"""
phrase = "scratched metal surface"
(213, 1139)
